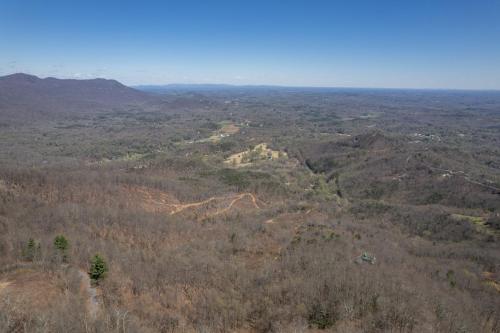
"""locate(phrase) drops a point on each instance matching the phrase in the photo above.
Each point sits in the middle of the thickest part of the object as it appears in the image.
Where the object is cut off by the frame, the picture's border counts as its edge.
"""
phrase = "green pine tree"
(30, 250)
(61, 245)
(98, 268)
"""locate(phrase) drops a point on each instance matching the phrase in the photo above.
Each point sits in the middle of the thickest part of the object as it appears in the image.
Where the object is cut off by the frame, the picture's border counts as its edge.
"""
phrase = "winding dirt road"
(160, 201)
(180, 207)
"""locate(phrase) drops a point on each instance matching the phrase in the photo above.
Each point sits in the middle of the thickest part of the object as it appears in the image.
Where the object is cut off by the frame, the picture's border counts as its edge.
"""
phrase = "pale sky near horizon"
(396, 44)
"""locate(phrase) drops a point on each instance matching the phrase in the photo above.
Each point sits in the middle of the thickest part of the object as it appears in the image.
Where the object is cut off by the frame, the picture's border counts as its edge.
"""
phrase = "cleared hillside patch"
(260, 152)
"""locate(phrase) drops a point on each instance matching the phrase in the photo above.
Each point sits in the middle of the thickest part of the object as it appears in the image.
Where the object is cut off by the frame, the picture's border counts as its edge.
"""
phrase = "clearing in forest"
(32, 286)
(3, 285)
(226, 130)
(477, 221)
(157, 201)
(260, 152)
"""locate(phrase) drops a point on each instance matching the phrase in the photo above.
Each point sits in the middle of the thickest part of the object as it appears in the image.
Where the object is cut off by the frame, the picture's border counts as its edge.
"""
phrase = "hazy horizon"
(388, 44)
(208, 85)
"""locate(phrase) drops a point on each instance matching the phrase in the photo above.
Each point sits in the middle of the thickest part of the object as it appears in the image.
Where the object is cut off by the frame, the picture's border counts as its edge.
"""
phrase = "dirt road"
(90, 293)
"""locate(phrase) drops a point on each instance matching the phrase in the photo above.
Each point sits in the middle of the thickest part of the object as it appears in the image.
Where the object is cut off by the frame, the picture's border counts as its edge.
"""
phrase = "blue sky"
(400, 44)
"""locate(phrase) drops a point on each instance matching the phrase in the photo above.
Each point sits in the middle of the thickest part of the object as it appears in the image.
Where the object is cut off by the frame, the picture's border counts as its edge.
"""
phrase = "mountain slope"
(25, 97)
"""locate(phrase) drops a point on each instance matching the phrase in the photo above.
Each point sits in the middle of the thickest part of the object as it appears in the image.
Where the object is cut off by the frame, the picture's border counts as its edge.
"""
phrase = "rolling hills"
(26, 97)
(248, 210)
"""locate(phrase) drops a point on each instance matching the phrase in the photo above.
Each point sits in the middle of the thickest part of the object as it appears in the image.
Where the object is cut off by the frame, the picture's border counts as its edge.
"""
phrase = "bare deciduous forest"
(248, 210)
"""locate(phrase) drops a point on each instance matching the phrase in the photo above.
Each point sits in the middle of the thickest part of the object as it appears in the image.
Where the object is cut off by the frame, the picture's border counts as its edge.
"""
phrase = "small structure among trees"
(366, 257)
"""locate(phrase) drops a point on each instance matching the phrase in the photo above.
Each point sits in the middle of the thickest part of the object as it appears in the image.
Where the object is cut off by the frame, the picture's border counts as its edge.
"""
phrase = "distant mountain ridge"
(23, 96)
(215, 87)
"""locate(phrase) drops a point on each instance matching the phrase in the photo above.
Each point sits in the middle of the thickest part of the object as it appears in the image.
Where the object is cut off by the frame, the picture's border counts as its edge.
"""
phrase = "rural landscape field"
(247, 209)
